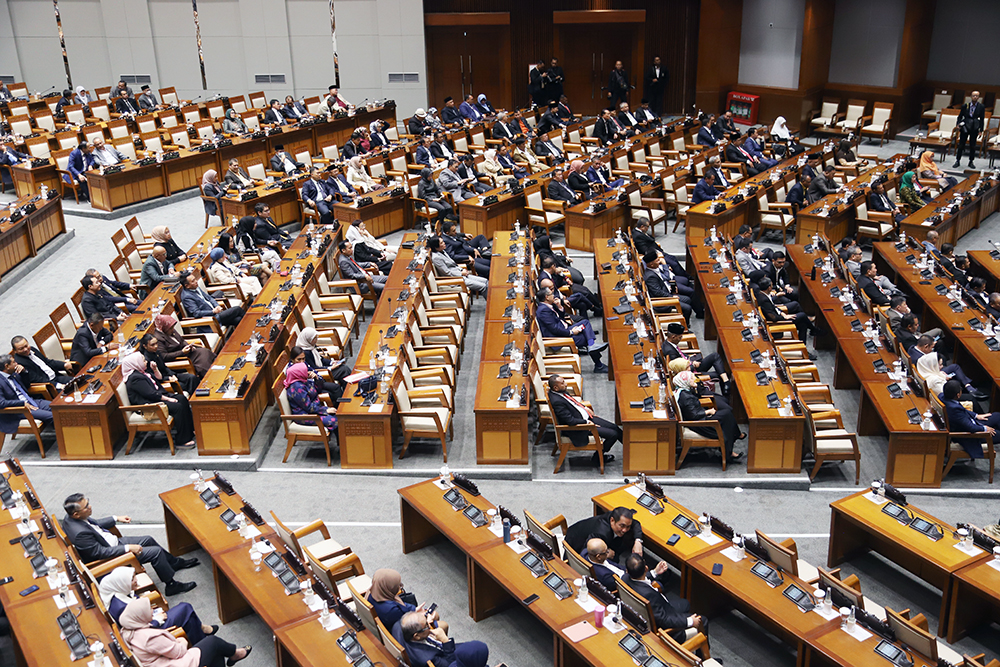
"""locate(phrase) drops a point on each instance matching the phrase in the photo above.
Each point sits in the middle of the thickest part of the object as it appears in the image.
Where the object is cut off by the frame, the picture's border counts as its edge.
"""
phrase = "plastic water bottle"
(662, 398)
(446, 475)
(506, 531)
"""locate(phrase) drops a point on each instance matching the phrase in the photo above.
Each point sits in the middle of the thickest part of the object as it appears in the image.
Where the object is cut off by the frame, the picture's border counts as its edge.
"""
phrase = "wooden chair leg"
(406, 444)
(857, 470)
(949, 464)
(819, 462)
(326, 445)
(131, 439)
(562, 457)
(288, 450)
(170, 440)
(725, 459)
(684, 452)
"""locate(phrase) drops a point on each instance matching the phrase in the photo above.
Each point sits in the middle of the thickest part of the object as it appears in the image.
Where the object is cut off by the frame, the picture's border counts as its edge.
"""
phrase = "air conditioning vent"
(136, 79)
(269, 78)
(404, 77)
(7, 79)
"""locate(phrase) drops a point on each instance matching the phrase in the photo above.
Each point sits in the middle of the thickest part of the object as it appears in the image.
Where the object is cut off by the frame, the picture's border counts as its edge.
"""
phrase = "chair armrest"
(316, 525)
(316, 419)
(440, 331)
(560, 342)
(202, 322)
(159, 407)
(44, 390)
(429, 392)
(554, 205)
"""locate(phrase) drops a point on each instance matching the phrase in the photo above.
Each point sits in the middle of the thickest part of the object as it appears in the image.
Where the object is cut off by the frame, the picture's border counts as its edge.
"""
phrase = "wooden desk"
(953, 226)
(657, 529)
(426, 518)
(775, 441)
(37, 638)
(583, 226)
(306, 643)
(130, 185)
(190, 526)
(240, 591)
(24, 238)
(284, 203)
(186, 171)
(384, 215)
(487, 219)
(975, 598)
(932, 144)
(829, 645)
(29, 180)
(501, 432)
(989, 268)
(858, 525)
(19, 567)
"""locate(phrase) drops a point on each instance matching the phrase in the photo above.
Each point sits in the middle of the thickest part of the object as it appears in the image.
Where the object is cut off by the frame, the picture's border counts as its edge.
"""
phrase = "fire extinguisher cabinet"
(744, 107)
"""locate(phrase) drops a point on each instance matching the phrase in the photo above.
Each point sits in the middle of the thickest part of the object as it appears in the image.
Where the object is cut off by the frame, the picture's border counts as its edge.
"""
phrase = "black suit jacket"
(502, 130)
(566, 414)
(796, 195)
(767, 307)
(277, 164)
(971, 122)
(644, 242)
(438, 152)
(667, 614)
(773, 274)
(868, 286)
(600, 526)
(99, 303)
(232, 178)
(654, 88)
(275, 116)
(605, 130)
(126, 105)
(32, 374)
(451, 115)
(877, 203)
(84, 347)
(655, 285)
(88, 542)
(350, 149)
(580, 184)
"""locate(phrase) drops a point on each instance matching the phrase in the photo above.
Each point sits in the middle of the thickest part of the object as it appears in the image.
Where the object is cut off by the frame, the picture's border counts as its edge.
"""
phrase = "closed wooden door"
(463, 60)
(587, 53)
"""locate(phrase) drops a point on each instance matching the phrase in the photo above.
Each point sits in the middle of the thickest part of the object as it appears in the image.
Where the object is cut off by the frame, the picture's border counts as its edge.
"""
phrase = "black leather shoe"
(178, 587)
(957, 165)
(185, 563)
(736, 457)
(608, 458)
(812, 356)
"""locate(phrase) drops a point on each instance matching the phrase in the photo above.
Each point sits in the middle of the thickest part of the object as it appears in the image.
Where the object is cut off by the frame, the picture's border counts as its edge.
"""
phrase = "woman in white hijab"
(117, 589)
(780, 133)
(929, 369)
(358, 233)
(358, 176)
(82, 96)
(491, 166)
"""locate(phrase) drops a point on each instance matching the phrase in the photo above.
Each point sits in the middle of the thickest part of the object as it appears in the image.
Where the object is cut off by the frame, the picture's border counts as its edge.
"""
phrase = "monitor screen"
(922, 525)
(888, 651)
(647, 501)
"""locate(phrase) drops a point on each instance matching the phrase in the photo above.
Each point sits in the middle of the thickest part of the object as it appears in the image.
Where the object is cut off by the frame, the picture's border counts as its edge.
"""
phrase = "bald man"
(605, 568)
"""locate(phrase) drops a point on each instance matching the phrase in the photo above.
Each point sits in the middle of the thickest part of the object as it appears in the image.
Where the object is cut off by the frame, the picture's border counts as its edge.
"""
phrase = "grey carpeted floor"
(362, 507)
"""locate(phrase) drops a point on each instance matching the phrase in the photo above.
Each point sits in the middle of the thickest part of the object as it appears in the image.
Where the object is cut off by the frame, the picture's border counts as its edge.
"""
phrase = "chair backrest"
(391, 645)
(251, 119)
(38, 147)
(881, 113)
(62, 158)
(75, 114)
(152, 141)
(118, 129)
(313, 104)
(126, 147)
(331, 152)
(941, 100)
(120, 238)
(546, 535)
(44, 120)
(578, 562)
(829, 108)
(191, 113)
(47, 341)
(179, 137)
(258, 100)
(533, 196)
(216, 109)
(286, 535)
(20, 124)
(99, 109)
(64, 322)
(134, 230)
(304, 157)
(205, 129)
(119, 269)
(103, 93)
(364, 608)
(461, 142)
(949, 120)
(855, 110)
(638, 603)
(146, 123)
(132, 257)
(168, 118)
(169, 96)
(67, 140)
(256, 170)
(239, 104)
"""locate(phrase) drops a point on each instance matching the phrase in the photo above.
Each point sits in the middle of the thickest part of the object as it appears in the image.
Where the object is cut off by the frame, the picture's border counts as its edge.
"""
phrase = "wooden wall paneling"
(460, 54)
(719, 29)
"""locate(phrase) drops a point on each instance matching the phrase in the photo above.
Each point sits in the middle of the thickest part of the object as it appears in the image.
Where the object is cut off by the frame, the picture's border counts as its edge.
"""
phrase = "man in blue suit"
(670, 613)
(751, 146)
(14, 395)
(316, 193)
(425, 643)
(469, 109)
(556, 324)
(199, 303)
(962, 420)
(797, 193)
(10, 157)
(705, 189)
(336, 183)
(423, 154)
(80, 160)
(293, 109)
(705, 135)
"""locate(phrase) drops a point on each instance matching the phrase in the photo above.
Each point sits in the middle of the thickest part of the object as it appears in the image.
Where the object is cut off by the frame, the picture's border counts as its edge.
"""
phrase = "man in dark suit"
(706, 137)
(440, 148)
(822, 185)
(879, 202)
(705, 189)
(94, 541)
(125, 104)
(811, 167)
(90, 340)
(147, 100)
(199, 303)
(607, 129)
(544, 147)
(618, 529)
(776, 271)
(670, 613)
(351, 147)
(316, 194)
(283, 161)
(95, 301)
(501, 130)
(658, 288)
(293, 109)
(970, 124)
(797, 193)
(115, 290)
(629, 119)
(417, 123)
(351, 269)
(654, 83)
(554, 324)
(550, 119)
(422, 155)
(605, 568)
(962, 420)
(556, 78)
(81, 159)
(237, 175)
(466, 249)
(618, 85)
(13, 394)
(711, 364)
(866, 283)
(558, 190)
(36, 368)
(769, 310)
(645, 114)
(467, 171)
(450, 114)
(274, 114)
(567, 410)
(10, 157)
(426, 643)
(580, 296)
(736, 153)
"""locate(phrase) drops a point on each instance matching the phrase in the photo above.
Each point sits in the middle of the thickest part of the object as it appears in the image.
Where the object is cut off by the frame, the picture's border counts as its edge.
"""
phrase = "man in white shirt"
(105, 155)
(94, 540)
(446, 266)
(15, 395)
(36, 367)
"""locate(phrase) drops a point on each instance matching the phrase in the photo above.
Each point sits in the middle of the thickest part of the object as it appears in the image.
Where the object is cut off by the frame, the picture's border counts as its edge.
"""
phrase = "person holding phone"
(390, 601)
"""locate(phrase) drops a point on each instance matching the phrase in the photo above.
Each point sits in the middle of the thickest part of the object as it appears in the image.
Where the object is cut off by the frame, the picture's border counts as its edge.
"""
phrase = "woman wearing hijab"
(235, 257)
(688, 400)
(390, 601)
(173, 346)
(484, 105)
(927, 169)
(316, 358)
(930, 369)
(845, 156)
(222, 272)
(358, 176)
(233, 124)
(543, 248)
(210, 188)
(117, 589)
(377, 133)
(161, 235)
(143, 389)
(780, 134)
(358, 233)
(909, 194)
(491, 166)
(432, 119)
(303, 398)
(577, 180)
(430, 192)
(82, 96)
(155, 647)
(366, 253)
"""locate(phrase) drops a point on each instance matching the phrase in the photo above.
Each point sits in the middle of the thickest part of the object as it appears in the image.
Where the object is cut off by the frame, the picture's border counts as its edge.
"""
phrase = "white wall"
(963, 45)
(240, 38)
(867, 41)
(771, 42)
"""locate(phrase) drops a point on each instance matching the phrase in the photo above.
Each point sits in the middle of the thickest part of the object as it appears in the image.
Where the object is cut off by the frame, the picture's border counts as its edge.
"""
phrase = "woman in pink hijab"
(303, 398)
(577, 179)
(155, 647)
(143, 389)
